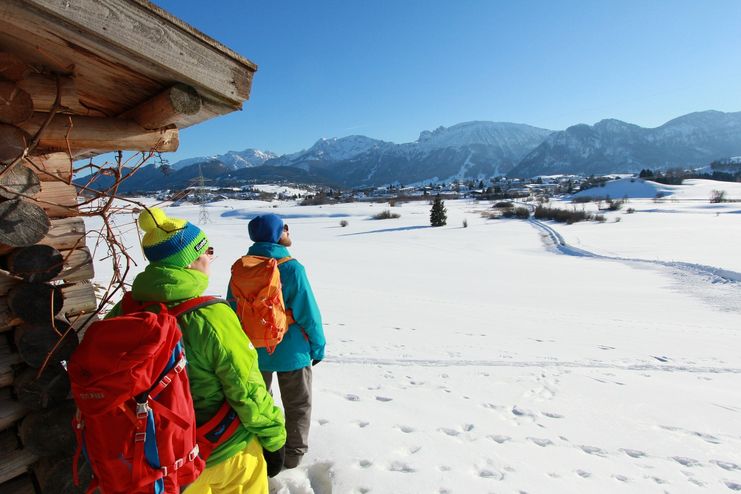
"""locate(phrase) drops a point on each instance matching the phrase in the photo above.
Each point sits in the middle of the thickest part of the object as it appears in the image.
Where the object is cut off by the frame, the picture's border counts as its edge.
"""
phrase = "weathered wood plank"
(58, 199)
(6, 283)
(79, 298)
(78, 265)
(8, 359)
(43, 91)
(150, 41)
(51, 167)
(65, 234)
(91, 134)
(13, 68)
(16, 104)
(22, 484)
(10, 412)
(15, 463)
(8, 320)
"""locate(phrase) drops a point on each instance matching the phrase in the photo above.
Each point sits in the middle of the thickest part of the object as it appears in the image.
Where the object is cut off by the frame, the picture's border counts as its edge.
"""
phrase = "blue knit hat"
(266, 228)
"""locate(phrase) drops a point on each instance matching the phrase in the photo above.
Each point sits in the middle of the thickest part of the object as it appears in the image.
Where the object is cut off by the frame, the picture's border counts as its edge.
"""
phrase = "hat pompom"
(151, 219)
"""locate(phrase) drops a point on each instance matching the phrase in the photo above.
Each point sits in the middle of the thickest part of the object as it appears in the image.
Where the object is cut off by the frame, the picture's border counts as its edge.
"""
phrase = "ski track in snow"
(726, 284)
(538, 364)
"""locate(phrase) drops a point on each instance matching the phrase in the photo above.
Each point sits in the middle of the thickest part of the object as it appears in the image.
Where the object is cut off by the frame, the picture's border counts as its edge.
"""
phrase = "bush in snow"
(386, 214)
(717, 196)
(344, 223)
(465, 223)
(630, 210)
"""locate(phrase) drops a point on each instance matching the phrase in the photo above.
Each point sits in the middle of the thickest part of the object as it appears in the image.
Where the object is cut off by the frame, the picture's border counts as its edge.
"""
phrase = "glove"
(274, 460)
(315, 361)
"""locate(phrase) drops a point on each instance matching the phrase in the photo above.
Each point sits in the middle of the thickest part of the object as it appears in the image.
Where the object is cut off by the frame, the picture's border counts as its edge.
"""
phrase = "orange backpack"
(256, 287)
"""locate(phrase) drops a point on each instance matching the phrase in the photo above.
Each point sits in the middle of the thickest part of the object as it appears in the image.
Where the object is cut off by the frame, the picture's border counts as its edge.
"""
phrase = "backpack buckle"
(193, 453)
(140, 437)
(142, 410)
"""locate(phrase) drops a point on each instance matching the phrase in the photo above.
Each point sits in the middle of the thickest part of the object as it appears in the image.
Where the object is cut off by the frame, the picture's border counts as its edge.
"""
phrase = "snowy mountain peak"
(502, 134)
(233, 159)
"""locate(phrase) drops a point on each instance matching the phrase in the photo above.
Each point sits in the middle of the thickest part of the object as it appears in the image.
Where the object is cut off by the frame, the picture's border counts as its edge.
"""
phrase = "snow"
(494, 358)
(694, 189)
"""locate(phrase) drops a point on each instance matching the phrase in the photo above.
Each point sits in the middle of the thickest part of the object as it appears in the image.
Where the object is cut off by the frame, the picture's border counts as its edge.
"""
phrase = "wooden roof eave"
(125, 52)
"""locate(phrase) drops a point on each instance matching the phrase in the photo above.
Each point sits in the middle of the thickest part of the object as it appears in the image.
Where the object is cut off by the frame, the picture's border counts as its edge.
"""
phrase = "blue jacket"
(295, 351)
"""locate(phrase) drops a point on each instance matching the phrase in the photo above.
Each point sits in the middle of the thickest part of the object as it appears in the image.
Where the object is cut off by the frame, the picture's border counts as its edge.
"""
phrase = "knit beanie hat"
(266, 228)
(170, 241)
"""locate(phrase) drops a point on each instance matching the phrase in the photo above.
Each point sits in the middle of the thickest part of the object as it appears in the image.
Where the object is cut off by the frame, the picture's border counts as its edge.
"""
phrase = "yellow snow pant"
(243, 473)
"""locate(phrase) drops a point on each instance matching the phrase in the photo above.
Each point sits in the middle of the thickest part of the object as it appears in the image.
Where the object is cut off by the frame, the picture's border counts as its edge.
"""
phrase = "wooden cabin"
(77, 78)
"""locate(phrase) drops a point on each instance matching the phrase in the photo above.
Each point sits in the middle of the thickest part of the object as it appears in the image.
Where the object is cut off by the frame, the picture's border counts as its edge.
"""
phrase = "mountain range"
(471, 150)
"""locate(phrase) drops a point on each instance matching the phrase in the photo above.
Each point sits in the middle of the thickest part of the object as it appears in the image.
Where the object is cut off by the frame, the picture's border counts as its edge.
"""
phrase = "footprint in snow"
(621, 478)
(365, 463)
(521, 412)
(633, 453)
(593, 450)
(383, 399)
(732, 485)
(687, 462)
(399, 466)
(449, 432)
(350, 397)
(605, 347)
(552, 415)
(444, 468)
(583, 474)
(491, 474)
(405, 429)
(542, 442)
(661, 358)
(319, 476)
(362, 424)
(323, 421)
(500, 439)
(725, 465)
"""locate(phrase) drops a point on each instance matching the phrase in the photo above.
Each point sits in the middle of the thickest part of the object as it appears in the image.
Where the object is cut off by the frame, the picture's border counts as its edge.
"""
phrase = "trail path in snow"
(723, 292)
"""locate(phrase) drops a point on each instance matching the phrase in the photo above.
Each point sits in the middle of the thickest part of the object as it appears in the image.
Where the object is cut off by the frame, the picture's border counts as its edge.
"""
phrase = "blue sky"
(392, 68)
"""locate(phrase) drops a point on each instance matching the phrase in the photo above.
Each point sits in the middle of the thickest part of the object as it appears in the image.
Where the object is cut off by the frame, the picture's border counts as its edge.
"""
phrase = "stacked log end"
(45, 273)
(46, 296)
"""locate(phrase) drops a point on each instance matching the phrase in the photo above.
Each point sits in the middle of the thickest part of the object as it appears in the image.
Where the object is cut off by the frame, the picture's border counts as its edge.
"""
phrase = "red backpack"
(135, 422)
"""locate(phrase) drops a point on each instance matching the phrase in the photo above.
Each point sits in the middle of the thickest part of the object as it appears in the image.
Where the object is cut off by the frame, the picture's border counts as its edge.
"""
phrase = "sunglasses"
(285, 228)
(210, 251)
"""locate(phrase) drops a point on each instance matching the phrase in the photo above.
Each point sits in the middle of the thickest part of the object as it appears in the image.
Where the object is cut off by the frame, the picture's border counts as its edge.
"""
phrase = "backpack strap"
(284, 259)
(194, 304)
(217, 430)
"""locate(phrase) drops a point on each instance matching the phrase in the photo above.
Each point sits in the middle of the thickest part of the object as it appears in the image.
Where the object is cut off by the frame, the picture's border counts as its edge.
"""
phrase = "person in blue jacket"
(303, 343)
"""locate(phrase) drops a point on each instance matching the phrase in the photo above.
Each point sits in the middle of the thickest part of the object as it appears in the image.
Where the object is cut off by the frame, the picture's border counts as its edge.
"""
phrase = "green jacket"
(222, 363)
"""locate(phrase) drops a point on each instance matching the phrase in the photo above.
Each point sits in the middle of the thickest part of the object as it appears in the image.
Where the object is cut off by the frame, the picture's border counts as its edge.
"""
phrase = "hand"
(274, 460)
(315, 361)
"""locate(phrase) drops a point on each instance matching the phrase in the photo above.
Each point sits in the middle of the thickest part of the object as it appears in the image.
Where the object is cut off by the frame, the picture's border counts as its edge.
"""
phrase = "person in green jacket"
(222, 363)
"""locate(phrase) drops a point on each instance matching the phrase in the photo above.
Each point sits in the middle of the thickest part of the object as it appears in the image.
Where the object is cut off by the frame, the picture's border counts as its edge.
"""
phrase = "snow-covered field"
(516, 357)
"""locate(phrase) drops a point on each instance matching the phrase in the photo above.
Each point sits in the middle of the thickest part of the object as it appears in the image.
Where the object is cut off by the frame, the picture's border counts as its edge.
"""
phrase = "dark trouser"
(295, 393)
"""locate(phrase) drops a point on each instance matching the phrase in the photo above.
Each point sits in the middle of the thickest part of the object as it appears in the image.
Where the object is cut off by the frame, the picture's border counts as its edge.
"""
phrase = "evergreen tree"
(438, 213)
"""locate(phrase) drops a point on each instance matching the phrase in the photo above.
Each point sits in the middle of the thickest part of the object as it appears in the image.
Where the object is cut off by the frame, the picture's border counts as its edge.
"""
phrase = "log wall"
(45, 278)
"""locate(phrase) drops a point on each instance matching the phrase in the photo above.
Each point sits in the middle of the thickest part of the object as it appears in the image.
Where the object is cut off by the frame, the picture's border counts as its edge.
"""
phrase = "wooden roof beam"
(142, 36)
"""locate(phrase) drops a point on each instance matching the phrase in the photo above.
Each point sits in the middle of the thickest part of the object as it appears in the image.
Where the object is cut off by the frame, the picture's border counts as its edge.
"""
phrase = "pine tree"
(438, 213)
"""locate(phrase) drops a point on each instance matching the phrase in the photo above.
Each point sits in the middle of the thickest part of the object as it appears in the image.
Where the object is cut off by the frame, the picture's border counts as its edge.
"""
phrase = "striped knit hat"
(170, 241)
